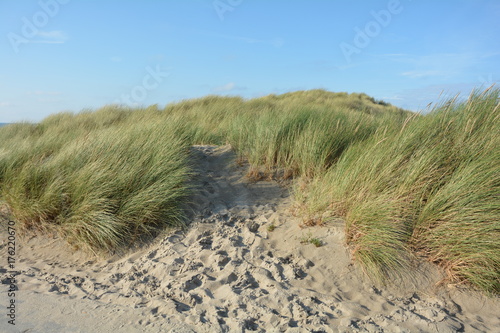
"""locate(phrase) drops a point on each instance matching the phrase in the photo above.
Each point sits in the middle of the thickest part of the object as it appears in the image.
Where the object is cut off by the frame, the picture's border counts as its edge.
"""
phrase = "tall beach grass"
(430, 188)
(407, 185)
(100, 188)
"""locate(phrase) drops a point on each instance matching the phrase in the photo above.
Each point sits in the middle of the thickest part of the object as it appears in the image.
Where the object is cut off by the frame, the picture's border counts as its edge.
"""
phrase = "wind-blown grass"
(306, 132)
(406, 184)
(431, 187)
(100, 190)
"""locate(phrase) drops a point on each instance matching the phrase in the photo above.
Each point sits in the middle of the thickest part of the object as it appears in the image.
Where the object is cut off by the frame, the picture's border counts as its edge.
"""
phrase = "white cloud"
(227, 87)
(4, 104)
(425, 97)
(54, 34)
(115, 59)
(393, 98)
(231, 86)
(50, 37)
(50, 100)
(446, 66)
(421, 74)
(44, 93)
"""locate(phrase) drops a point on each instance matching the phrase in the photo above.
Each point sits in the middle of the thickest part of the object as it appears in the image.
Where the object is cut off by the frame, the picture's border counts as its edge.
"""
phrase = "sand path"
(228, 273)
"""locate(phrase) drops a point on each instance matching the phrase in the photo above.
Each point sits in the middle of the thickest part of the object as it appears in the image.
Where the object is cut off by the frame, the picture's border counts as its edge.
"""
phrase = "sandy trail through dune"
(228, 273)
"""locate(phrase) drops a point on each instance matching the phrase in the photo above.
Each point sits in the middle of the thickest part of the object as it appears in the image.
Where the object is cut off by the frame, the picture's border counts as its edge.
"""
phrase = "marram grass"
(430, 188)
(406, 184)
(100, 190)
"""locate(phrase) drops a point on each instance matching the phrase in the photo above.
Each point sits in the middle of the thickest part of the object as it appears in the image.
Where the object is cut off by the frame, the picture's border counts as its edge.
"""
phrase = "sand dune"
(228, 273)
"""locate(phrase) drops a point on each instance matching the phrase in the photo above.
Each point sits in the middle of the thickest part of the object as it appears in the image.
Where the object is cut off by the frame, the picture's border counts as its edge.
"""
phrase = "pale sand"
(228, 273)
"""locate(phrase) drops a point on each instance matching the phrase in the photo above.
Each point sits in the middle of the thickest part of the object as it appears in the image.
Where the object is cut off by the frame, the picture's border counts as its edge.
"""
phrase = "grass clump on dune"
(100, 189)
(430, 188)
(304, 133)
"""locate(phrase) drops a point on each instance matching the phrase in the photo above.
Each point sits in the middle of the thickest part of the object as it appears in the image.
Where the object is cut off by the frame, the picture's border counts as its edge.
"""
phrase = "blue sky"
(60, 55)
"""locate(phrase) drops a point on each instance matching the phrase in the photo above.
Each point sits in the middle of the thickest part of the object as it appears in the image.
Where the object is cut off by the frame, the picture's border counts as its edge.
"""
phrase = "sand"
(227, 272)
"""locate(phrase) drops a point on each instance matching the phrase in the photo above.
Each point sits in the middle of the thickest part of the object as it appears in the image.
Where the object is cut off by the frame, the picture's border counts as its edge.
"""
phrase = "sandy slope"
(228, 273)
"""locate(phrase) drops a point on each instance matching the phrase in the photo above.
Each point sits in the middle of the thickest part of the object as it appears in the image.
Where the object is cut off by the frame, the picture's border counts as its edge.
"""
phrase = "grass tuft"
(309, 239)
(101, 190)
(429, 188)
